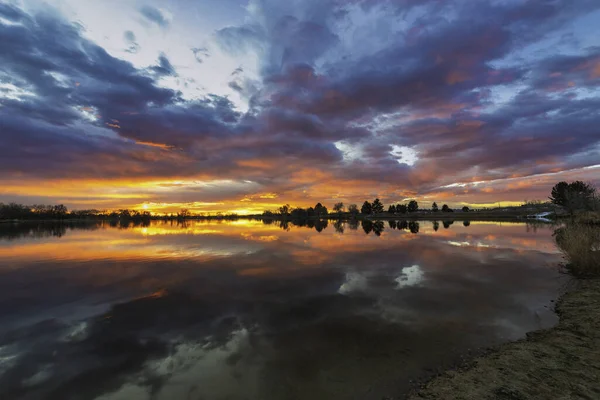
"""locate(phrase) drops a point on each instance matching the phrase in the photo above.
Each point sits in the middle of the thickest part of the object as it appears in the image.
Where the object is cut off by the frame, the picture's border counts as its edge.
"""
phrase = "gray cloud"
(154, 15)
(200, 53)
(130, 40)
(164, 67)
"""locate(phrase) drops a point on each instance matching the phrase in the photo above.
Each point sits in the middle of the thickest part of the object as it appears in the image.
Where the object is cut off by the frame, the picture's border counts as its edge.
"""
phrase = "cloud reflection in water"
(219, 310)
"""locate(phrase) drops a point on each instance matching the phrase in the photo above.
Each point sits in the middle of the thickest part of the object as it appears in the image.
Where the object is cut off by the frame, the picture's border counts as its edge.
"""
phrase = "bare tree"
(353, 209)
(184, 213)
(284, 209)
(338, 207)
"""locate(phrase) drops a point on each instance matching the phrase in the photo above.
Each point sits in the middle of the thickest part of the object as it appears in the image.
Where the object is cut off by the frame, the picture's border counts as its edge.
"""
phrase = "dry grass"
(559, 363)
(588, 217)
(580, 244)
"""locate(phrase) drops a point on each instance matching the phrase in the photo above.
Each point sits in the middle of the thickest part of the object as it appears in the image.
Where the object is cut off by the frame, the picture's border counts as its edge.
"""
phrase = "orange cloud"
(260, 164)
(151, 144)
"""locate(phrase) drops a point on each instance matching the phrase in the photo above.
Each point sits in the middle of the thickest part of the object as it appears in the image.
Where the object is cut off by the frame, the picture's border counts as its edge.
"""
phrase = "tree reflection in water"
(58, 229)
(260, 309)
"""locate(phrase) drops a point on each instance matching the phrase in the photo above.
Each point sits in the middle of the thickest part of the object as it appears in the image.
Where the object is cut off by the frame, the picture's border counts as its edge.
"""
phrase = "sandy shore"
(558, 363)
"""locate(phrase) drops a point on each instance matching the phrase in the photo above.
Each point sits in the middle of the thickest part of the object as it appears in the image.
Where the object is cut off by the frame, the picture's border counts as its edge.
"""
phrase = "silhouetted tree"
(445, 208)
(299, 214)
(465, 209)
(401, 209)
(59, 211)
(338, 207)
(184, 213)
(434, 207)
(353, 209)
(377, 207)
(320, 210)
(39, 209)
(413, 206)
(366, 208)
(284, 210)
(15, 211)
(573, 196)
(558, 195)
(392, 209)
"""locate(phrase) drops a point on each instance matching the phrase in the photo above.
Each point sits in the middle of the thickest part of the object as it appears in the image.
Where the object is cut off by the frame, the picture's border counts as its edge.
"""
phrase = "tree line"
(36, 211)
(14, 211)
(573, 197)
(368, 208)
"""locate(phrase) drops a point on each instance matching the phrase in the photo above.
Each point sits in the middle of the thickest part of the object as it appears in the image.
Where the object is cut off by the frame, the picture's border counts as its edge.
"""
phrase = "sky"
(244, 105)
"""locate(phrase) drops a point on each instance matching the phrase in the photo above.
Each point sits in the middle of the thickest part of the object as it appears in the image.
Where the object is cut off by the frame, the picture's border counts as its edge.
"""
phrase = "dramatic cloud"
(335, 101)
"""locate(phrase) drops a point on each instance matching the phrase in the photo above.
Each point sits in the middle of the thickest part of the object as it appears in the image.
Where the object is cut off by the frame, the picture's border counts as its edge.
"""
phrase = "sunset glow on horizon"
(241, 106)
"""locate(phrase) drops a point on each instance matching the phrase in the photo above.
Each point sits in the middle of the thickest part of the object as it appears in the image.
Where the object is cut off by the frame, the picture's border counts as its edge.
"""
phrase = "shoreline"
(560, 362)
(458, 216)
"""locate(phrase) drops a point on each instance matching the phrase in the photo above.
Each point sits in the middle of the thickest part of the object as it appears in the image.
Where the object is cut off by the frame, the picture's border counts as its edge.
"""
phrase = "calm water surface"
(248, 310)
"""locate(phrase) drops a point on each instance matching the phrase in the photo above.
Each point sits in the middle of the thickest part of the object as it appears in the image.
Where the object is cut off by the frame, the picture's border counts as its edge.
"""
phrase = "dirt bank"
(558, 363)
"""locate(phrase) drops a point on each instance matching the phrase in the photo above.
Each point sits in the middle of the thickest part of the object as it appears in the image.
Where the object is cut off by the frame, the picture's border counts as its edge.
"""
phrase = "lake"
(253, 310)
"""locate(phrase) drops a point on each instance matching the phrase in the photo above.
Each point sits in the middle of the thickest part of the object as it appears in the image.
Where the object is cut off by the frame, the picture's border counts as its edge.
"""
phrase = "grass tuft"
(580, 244)
(588, 217)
